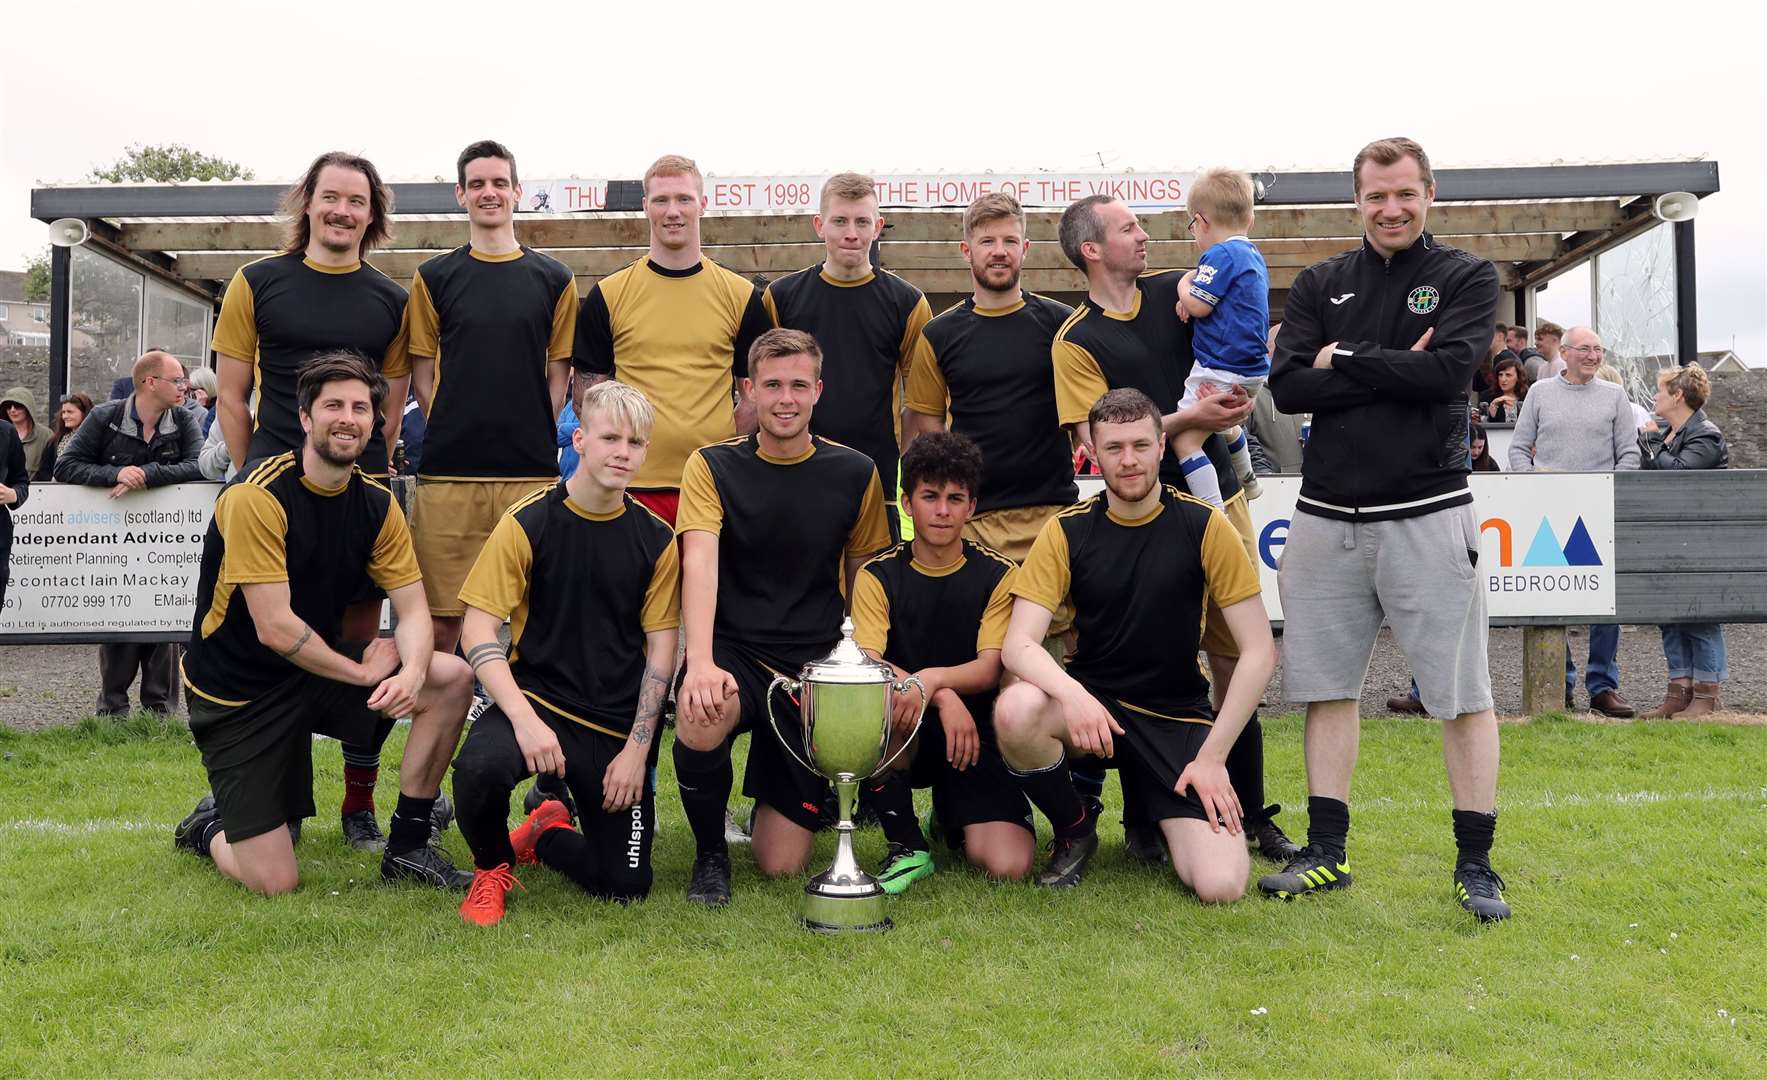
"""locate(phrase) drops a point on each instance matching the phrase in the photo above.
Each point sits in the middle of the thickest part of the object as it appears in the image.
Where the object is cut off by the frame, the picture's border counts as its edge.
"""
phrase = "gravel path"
(42, 685)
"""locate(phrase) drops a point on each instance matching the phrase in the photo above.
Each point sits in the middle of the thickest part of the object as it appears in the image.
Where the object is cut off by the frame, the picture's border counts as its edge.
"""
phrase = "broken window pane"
(1635, 309)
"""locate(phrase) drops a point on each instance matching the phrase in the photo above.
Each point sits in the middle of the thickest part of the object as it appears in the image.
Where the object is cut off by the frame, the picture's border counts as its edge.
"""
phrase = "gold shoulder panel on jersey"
(983, 549)
(270, 468)
(891, 552)
(1185, 496)
(1081, 507)
(373, 482)
(1080, 311)
(529, 499)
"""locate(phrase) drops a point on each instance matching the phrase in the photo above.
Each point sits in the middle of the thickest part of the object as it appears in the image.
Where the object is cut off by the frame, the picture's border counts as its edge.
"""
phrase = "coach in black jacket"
(141, 441)
(1380, 345)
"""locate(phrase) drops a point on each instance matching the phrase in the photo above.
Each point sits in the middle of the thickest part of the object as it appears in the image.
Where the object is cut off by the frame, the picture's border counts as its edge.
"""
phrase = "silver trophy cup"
(845, 701)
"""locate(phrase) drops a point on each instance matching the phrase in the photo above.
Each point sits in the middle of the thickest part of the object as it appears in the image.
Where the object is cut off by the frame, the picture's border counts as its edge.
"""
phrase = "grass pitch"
(1636, 858)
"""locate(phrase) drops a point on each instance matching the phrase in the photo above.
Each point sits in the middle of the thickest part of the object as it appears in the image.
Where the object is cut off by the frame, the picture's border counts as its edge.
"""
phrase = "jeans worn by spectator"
(1695, 651)
(1603, 669)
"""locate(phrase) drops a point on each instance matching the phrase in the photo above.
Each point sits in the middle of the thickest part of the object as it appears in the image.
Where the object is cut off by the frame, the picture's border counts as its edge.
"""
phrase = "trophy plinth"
(845, 703)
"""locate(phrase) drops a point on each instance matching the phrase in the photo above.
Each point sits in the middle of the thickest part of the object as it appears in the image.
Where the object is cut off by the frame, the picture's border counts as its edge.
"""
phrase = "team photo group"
(771, 472)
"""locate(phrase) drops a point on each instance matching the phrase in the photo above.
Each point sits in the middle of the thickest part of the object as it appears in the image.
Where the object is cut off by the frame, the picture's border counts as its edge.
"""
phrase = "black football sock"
(1051, 790)
(1088, 778)
(1473, 832)
(411, 824)
(1328, 825)
(704, 777)
(893, 800)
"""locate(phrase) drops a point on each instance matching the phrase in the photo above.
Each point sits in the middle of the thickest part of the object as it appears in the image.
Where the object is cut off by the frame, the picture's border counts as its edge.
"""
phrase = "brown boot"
(1675, 699)
(1705, 700)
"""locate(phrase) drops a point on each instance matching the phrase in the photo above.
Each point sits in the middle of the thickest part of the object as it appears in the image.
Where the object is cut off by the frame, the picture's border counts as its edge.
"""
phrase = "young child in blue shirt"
(1228, 296)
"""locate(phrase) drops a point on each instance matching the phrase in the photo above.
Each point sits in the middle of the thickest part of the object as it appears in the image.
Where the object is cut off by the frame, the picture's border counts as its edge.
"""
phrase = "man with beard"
(1141, 565)
(492, 325)
(986, 364)
(867, 321)
(279, 313)
(1127, 333)
(772, 526)
(290, 543)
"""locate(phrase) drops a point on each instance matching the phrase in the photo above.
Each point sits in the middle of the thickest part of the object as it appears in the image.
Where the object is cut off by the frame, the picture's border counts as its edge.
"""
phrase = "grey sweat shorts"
(1339, 579)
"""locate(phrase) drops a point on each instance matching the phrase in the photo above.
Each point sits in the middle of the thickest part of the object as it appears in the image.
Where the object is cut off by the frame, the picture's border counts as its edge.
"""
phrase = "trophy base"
(826, 914)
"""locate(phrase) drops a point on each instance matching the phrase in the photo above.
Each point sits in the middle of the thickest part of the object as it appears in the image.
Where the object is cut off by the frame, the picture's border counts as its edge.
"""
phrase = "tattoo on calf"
(485, 653)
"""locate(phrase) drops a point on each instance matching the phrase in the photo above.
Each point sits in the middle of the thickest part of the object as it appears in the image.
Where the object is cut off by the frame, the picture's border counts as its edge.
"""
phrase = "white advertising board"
(89, 567)
(1546, 540)
(803, 194)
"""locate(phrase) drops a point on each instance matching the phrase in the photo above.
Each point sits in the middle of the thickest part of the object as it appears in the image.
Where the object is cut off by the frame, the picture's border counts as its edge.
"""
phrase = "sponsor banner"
(803, 194)
(1546, 541)
(87, 566)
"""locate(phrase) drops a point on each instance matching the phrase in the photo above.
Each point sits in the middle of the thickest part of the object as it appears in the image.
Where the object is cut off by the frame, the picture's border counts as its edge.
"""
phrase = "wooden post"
(1543, 669)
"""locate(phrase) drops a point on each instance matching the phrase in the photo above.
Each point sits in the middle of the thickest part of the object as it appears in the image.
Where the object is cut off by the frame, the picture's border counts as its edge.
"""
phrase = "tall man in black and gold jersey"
(1126, 333)
(292, 540)
(1142, 564)
(277, 315)
(772, 525)
(591, 584)
(937, 607)
(492, 325)
(676, 326)
(986, 363)
(867, 321)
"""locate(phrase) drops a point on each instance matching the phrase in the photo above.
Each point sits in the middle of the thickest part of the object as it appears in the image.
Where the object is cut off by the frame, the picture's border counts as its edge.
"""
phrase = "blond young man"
(677, 327)
(867, 320)
(591, 582)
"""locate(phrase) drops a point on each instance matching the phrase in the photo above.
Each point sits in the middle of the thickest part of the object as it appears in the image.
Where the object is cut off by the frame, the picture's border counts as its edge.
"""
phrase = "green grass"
(1636, 858)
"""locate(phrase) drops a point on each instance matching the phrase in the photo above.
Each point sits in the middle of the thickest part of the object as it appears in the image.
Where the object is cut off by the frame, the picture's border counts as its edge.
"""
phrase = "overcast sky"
(786, 87)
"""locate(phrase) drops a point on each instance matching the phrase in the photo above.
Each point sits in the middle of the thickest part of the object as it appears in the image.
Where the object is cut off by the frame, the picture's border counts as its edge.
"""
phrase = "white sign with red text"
(803, 194)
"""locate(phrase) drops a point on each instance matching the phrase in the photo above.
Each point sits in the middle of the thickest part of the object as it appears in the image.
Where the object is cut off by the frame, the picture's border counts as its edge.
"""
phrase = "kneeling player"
(771, 525)
(937, 607)
(592, 584)
(292, 541)
(1139, 563)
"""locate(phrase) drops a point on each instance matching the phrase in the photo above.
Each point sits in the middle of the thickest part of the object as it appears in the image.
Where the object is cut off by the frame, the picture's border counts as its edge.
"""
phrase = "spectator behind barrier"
(68, 418)
(19, 405)
(1694, 652)
(1278, 433)
(1482, 461)
(15, 487)
(1577, 423)
(1502, 403)
(203, 387)
(145, 440)
(1547, 362)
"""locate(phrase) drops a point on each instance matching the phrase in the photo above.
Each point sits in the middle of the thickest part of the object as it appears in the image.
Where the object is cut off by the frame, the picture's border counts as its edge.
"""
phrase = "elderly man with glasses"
(141, 441)
(1575, 422)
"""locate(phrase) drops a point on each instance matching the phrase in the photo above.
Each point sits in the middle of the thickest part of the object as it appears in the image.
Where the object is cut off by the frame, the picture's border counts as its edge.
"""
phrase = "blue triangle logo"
(1580, 549)
(1545, 550)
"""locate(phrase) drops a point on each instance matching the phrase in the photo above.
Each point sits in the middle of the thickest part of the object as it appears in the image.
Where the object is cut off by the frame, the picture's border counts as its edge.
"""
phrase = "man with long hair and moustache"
(317, 296)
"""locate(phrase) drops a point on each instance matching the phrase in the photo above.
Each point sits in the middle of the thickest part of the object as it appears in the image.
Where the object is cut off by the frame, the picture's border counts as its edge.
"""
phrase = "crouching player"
(1139, 564)
(937, 607)
(591, 583)
(292, 542)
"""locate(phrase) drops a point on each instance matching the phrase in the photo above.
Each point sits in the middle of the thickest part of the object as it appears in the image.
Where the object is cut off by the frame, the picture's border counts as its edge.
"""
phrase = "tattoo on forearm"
(650, 705)
(485, 653)
(306, 632)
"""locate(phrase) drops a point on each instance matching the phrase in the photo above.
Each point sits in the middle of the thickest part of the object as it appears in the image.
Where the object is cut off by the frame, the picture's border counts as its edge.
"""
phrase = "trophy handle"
(790, 686)
(902, 688)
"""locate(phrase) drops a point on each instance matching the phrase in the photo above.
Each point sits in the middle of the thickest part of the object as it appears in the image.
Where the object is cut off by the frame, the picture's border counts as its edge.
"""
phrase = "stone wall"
(1739, 408)
(27, 366)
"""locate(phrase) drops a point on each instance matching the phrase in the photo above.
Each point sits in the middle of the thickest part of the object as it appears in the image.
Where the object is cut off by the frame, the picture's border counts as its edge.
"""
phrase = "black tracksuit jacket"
(1389, 422)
